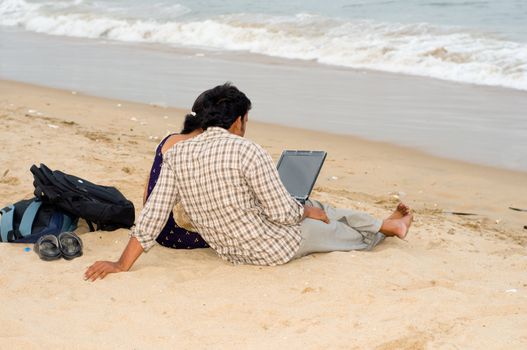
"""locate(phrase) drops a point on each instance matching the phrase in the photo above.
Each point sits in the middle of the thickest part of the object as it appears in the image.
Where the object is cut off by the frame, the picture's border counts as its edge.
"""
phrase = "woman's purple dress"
(172, 236)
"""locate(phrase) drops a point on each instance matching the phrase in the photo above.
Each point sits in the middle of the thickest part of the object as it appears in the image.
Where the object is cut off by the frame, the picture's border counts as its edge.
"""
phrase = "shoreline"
(405, 165)
(433, 115)
(356, 138)
(257, 58)
(433, 60)
(430, 291)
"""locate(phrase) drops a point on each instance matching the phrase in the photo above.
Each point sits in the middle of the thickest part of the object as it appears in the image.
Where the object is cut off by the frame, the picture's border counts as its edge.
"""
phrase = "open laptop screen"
(299, 170)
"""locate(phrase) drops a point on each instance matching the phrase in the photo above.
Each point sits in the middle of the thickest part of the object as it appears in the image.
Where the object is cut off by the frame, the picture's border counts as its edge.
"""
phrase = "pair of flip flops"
(66, 245)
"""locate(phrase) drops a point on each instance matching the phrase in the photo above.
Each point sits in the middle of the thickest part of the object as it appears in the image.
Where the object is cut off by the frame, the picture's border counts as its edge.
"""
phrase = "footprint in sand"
(96, 136)
(412, 341)
(127, 170)
(437, 244)
(10, 180)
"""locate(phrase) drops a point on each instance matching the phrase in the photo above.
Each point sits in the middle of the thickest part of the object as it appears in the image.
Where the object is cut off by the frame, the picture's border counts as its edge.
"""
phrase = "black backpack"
(103, 206)
(28, 220)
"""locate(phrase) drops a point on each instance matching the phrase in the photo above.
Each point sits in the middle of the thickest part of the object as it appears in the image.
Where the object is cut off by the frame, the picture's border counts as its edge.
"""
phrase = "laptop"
(299, 170)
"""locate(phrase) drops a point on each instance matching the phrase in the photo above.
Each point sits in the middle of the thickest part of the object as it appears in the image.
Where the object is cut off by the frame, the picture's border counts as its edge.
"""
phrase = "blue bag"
(28, 220)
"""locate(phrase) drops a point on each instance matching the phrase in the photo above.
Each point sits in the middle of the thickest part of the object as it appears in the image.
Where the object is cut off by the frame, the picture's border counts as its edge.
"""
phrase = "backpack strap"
(6, 226)
(28, 218)
(90, 225)
(68, 224)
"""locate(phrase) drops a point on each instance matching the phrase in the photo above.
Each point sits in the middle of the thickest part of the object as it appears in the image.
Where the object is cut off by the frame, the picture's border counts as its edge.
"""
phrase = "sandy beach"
(458, 282)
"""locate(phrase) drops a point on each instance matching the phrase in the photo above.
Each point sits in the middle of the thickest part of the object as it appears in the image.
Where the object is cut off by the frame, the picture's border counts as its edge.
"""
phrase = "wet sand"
(478, 124)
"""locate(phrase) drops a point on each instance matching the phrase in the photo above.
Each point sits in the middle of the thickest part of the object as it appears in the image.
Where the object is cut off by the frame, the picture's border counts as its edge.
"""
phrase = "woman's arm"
(101, 268)
(171, 141)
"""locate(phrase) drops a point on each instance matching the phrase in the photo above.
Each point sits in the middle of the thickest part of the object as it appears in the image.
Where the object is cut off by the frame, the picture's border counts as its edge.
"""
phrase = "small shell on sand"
(74, 92)
(165, 117)
(397, 194)
(53, 126)
(134, 119)
(119, 105)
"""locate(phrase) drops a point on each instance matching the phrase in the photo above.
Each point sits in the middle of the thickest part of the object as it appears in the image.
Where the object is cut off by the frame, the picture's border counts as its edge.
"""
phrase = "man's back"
(230, 189)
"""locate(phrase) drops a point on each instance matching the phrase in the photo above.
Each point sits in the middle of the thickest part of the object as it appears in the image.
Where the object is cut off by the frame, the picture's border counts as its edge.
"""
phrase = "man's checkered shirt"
(231, 191)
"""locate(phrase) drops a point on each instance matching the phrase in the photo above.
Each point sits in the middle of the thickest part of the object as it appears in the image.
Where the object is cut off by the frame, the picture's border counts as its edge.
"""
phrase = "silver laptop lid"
(299, 170)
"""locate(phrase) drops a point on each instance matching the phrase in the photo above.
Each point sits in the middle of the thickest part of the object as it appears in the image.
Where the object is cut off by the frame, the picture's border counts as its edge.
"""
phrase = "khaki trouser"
(347, 230)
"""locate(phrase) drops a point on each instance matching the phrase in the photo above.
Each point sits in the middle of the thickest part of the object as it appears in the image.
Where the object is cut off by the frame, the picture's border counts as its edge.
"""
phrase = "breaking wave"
(449, 53)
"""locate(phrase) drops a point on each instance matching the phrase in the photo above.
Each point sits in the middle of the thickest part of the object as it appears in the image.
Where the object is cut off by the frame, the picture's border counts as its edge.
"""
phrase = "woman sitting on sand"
(172, 235)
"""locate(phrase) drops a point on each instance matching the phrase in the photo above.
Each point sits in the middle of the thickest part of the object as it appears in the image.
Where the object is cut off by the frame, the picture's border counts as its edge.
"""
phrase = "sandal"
(70, 245)
(48, 248)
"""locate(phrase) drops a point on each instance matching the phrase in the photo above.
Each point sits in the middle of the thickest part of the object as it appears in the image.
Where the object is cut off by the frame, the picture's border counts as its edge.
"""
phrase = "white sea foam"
(420, 49)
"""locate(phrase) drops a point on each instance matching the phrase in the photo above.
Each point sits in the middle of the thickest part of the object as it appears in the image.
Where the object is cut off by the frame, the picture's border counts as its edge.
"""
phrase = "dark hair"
(222, 105)
(194, 120)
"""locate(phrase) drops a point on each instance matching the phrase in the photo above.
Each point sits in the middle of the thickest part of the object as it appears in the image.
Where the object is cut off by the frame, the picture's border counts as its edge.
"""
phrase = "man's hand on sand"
(315, 213)
(100, 269)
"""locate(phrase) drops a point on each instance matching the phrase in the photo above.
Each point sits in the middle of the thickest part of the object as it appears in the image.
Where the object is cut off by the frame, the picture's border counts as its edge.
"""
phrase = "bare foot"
(401, 210)
(397, 226)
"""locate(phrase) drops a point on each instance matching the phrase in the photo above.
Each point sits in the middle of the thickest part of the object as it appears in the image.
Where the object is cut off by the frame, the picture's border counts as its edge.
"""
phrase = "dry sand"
(458, 283)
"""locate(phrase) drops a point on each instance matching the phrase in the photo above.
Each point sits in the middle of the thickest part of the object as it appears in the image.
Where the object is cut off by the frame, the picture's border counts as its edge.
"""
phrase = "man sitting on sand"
(231, 191)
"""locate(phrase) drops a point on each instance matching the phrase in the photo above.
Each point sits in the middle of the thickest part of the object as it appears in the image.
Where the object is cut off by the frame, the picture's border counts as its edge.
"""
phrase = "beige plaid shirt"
(231, 191)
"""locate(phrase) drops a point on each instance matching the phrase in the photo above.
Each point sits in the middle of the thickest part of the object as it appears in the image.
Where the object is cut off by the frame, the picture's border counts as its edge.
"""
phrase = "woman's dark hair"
(191, 123)
(222, 105)
(194, 120)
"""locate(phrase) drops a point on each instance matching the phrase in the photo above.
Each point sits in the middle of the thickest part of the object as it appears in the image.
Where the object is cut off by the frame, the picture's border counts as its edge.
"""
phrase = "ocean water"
(472, 41)
(168, 51)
